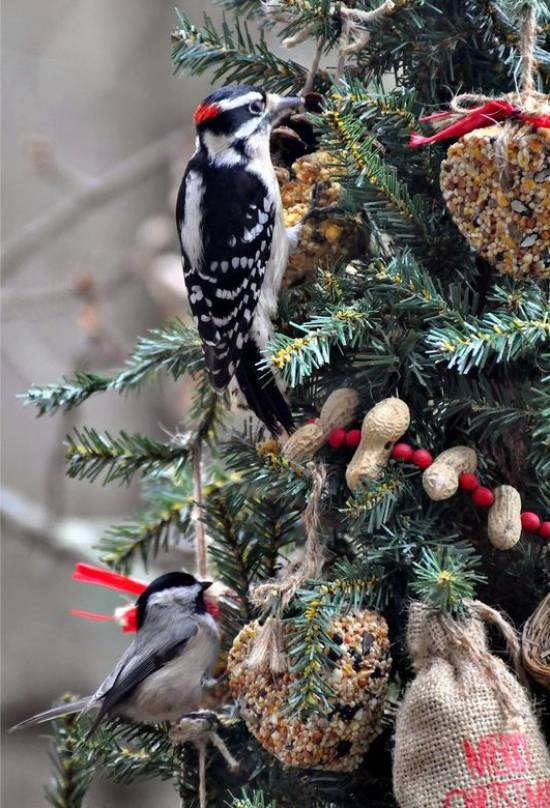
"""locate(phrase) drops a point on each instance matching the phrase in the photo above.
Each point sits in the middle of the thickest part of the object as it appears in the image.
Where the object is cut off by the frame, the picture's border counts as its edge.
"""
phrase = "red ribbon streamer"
(490, 113)
(112, 580)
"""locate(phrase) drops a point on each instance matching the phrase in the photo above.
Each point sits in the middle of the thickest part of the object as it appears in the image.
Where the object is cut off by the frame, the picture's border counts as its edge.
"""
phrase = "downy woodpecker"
(234, 243)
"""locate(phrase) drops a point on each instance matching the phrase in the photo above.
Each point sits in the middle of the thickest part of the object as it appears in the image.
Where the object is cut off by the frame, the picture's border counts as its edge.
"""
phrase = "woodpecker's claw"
(315, 211)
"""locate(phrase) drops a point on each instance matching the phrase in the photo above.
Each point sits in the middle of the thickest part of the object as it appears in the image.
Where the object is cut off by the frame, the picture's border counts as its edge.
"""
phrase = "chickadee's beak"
(206, 585)
(279, 105)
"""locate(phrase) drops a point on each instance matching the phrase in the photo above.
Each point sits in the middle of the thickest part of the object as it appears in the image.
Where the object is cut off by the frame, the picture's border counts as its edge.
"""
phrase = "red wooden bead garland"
(468, 482)
(483, 497)
(402, 451)
(353, 438)
(336, 437)
(530, 522)
(422, 458)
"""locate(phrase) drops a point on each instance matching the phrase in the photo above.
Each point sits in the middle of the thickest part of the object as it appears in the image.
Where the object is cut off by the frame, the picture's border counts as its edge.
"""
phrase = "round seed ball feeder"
(324, 240)
(333, 738)
(496, 183)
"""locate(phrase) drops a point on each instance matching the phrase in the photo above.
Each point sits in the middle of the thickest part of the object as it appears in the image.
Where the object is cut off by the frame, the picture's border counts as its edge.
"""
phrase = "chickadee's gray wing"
(147, 657)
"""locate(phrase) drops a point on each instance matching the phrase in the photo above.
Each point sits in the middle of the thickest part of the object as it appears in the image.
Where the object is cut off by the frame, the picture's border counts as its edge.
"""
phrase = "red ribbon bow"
(479, 117)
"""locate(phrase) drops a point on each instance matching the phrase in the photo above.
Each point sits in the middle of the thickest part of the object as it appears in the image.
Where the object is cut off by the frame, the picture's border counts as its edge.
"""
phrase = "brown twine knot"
(268, 646)
(463, 639)
(353, 36)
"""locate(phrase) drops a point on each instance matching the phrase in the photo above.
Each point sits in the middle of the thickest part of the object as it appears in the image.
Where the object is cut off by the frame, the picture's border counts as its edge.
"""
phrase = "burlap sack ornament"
(466, 735)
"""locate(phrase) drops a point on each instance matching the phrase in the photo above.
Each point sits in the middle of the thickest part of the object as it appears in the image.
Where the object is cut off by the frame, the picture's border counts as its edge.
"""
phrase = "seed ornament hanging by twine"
(496, 178)
(336, 735)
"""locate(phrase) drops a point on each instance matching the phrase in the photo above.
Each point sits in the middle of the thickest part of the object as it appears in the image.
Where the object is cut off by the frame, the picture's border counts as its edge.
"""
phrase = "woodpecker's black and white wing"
(225, 219)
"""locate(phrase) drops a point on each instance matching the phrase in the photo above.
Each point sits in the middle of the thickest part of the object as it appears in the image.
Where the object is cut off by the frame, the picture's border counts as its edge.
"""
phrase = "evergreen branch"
(251, 799)
(486, 411)
(233, 55)
(264, 470)
(498, 335)
(207, 410)
(297, 357)
(67, 394)
(374, 502)
(176, 349)
(370, 183)
(158, 528)
(89, 454)
(123, 750)
(234, 548)
(389, 111)
(309, 639)
(539, 455)
(408, 285)
(71, 776)
(444, 578)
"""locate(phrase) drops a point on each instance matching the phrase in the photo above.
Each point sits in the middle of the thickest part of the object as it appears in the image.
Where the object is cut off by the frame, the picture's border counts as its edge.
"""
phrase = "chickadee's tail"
(261, 391)
(70, 708)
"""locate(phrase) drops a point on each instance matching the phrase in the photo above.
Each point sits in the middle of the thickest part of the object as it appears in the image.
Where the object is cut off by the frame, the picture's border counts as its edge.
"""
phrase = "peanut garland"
(337, 412)
(376, 442)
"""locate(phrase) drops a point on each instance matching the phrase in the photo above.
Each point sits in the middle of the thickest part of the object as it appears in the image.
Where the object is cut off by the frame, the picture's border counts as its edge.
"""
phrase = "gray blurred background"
(90, 111)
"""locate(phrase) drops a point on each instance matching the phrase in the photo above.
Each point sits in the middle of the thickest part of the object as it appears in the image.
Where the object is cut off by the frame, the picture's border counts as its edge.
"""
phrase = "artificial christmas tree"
(421, 329)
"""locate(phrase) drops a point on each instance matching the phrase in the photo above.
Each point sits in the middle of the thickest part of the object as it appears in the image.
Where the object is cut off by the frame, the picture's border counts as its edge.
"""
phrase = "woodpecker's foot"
(316, 211)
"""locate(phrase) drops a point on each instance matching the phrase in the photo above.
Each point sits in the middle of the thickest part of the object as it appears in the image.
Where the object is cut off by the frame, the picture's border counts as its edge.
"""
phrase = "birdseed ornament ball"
(333, 739)
(323, 240)
(496, 184)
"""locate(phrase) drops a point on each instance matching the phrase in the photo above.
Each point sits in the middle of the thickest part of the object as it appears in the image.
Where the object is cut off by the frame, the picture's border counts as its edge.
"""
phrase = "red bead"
(483, 497)
(311, 421)
(544, 530)
(402, 451)
(530, 522)
(336, 438)
(422, 458)
(468, 482)
(353, 438)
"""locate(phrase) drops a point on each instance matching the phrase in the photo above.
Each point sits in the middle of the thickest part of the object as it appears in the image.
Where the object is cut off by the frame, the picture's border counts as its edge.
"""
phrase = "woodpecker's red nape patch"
(206, 111)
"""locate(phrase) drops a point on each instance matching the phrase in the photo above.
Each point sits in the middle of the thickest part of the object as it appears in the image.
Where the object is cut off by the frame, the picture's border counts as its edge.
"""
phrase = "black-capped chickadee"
(161, 676)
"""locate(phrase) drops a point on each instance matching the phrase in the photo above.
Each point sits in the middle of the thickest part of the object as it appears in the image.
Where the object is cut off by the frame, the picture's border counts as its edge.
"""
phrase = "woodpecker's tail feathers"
(70, 708)
(261, 391)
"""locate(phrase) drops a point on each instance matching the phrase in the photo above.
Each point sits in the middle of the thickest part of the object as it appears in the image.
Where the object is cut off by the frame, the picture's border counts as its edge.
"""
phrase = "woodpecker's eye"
(256, 107)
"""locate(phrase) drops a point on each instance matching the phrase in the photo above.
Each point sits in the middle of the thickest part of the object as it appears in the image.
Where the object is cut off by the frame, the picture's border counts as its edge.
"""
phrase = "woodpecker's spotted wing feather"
(225, 254)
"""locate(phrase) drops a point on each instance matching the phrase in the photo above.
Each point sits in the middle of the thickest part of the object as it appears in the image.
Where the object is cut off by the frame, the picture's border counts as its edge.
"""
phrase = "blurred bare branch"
(16, 302)
(66, 538)
(91, 195)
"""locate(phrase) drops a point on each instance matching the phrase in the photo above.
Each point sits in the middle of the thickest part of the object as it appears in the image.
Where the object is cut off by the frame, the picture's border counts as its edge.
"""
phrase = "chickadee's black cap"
(170, 580)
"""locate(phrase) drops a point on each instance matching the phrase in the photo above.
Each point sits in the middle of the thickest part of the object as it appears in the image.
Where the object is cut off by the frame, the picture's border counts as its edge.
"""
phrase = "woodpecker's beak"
(279, 105)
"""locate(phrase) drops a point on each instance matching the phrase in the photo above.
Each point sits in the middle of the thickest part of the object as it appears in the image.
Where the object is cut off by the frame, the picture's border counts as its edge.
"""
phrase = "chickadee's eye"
(256, 107)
